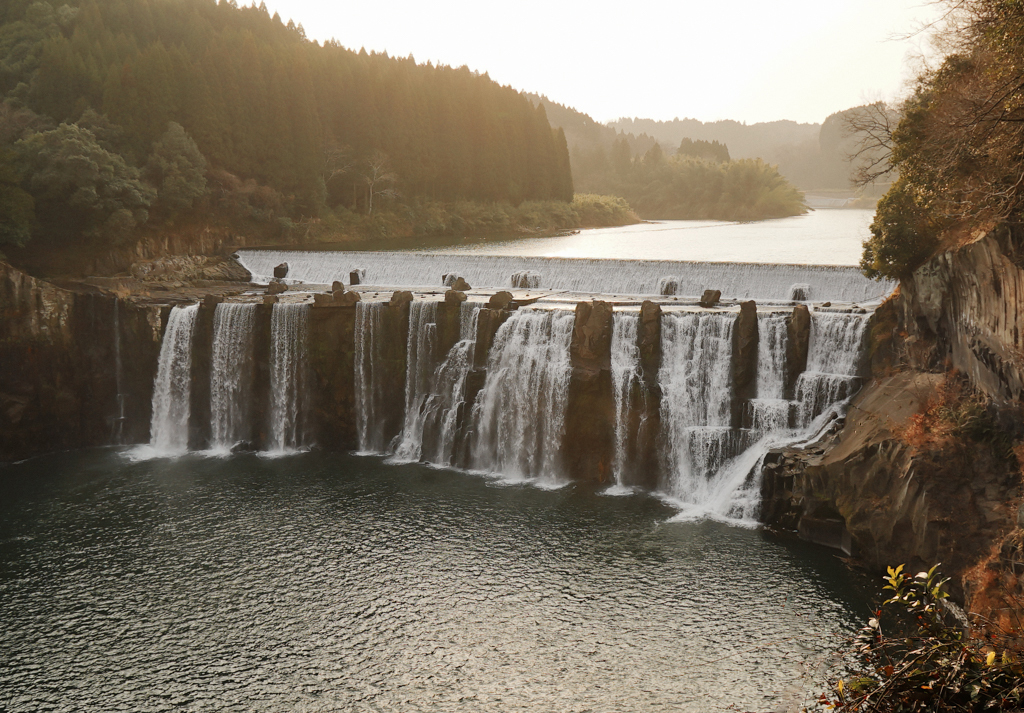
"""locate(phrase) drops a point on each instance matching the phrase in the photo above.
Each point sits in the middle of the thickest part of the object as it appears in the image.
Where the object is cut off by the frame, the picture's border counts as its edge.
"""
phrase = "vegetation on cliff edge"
(958, 144)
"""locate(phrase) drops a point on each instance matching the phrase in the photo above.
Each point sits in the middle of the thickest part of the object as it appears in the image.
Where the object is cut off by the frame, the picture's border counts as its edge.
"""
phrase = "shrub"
(934, 666)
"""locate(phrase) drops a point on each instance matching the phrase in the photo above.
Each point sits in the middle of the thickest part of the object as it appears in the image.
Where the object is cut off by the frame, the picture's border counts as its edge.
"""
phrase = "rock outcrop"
(78, 366)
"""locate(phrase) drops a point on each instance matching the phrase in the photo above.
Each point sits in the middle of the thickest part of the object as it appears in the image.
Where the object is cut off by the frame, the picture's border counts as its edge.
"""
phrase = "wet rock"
(337, 286)
(454, 296)
(212, 300)
(592, 335)
(270, 299)
(356, 276)
(487, 324)
(668, 286)
(744, 359)
(276, 288)
(322, 300)
(798, 337)
(526, 279)
(800, 292)
(400, 298)
(649, 341)
(710, 298)
(346, 298)
(499, 300)
(281, 271)
(461, 285)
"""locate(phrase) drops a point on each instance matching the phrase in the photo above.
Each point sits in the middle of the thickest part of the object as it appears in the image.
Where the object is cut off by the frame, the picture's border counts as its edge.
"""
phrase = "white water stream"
(231, 375)
(288, 332)
(172, 389)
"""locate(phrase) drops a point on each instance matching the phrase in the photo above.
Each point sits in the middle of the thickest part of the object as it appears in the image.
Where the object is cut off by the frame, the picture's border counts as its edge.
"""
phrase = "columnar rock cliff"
(915, 476)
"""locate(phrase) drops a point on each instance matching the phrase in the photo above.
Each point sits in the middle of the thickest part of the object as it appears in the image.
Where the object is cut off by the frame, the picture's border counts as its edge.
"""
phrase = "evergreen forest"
(119, 113)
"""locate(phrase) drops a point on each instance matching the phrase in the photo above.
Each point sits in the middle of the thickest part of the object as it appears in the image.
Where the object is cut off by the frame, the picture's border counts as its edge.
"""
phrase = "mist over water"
(325, 582)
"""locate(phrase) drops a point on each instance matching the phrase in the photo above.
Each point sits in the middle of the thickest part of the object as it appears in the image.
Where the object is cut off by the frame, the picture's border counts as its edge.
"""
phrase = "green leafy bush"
(935, 666)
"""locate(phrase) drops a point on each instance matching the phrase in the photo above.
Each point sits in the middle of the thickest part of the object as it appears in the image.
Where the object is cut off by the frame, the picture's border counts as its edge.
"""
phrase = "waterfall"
(625, 363)
(770, 410)
(231, 374)
(519, 417)
(168, 430)
(435, 397)
(695, 379)
(288, 378)
(833, 361)
(410, 269)
(370, 368)
(420, 360)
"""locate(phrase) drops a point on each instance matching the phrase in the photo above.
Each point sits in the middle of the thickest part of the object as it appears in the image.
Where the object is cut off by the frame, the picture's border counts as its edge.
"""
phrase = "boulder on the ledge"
(800, 292)
(499, 300)
(710, 298)
(337, 286)
(400, 297)
(281, 271)
(454, 296)
(461, 285)
(276, 288)
(323, 300)
(356, 277)
(270, 299)
(346, 298)
(526, 279)
(668, 286)
(212, 300)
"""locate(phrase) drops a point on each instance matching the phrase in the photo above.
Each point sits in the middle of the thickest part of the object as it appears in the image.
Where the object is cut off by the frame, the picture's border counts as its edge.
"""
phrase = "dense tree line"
(115, 110)
(698, 183)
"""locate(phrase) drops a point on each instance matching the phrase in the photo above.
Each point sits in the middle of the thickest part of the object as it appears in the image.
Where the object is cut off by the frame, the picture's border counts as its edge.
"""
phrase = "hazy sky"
(749, 60)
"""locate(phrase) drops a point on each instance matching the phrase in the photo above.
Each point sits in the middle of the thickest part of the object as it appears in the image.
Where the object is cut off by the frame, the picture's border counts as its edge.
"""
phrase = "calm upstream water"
(822, 237)
(324, 582)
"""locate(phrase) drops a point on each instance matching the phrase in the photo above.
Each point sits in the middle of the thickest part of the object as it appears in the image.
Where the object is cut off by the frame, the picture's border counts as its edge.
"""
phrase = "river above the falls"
(324, 582)
(821, 237)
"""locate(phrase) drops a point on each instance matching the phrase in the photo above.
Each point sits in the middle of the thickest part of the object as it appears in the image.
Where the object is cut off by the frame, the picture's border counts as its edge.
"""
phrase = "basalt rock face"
(871, 489)
(798, 328)
(864, 489)
(332, 355)
(588, 445)
(744, 365)
(967, 306)
(60, 386)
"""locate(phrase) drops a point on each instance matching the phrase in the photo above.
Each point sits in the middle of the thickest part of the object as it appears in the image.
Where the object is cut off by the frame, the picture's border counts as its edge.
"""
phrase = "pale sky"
(748, 60)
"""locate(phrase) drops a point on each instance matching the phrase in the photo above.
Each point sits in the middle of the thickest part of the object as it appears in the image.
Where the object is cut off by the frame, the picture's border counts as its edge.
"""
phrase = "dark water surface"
(321, 582)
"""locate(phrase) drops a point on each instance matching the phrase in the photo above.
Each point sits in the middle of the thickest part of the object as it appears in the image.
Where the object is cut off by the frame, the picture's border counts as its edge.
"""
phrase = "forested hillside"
(695, 179)
(119, 112)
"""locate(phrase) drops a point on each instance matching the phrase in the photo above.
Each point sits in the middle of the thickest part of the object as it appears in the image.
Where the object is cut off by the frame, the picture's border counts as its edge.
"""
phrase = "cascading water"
(288, 324)
(735, 280)
(519, 416)
(695, 379)
(370, 372)
(625, 363)
(168, 430)
(770, 410)
(833, 358)
(435, 397)
(231, 374)
(420, 360)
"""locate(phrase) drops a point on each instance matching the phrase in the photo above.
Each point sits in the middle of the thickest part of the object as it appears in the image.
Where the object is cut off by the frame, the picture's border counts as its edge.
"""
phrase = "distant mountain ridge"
(811, 156)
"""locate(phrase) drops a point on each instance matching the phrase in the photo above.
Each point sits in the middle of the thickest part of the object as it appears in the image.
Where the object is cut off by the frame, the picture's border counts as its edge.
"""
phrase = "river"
(325, 582)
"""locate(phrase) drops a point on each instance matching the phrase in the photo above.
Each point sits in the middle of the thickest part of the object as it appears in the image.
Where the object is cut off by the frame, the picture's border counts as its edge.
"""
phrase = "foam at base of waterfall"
(588, 275)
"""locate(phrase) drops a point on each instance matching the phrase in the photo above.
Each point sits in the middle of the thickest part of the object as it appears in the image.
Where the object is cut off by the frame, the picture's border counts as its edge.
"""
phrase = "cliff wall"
(78, 366)
(915, 475)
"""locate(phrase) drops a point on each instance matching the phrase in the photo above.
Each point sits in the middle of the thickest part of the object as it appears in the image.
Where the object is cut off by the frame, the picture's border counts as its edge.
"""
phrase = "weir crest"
(676, 400)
